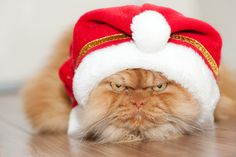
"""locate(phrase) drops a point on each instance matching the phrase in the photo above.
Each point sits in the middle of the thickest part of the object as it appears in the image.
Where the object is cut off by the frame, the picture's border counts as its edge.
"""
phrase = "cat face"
(137, 104)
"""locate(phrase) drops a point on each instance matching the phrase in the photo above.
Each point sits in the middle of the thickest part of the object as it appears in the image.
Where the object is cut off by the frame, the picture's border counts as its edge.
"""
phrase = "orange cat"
(134, 104)
(137, 104)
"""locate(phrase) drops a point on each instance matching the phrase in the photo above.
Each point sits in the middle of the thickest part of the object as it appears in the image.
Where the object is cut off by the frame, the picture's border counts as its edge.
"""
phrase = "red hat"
(151, 37)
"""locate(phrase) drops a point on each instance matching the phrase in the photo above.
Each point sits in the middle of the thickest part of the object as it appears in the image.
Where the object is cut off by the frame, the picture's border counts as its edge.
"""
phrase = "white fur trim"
(150, 31)
(73, 125)
(176, 62)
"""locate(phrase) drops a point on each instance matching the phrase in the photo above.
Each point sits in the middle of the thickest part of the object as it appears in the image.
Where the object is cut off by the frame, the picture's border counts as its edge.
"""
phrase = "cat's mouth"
(138, 119)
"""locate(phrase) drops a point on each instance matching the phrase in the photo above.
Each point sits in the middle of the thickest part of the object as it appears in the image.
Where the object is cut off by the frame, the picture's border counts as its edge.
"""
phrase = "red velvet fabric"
(108, 21)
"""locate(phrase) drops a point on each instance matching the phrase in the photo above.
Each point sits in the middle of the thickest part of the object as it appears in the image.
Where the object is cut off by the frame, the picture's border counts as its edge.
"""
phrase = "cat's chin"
(113, 134)
(134, 129)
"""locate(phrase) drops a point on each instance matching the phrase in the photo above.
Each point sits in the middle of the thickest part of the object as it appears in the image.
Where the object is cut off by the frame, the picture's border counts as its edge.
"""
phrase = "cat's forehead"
(137, 77)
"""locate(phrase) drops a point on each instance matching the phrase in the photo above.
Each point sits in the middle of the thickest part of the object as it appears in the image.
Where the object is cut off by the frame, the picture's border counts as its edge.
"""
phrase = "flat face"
(137, 104)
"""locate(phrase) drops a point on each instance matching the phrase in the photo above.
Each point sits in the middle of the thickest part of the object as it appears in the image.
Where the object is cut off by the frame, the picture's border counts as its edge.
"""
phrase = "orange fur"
(46, 103)
(111, 116)
(226, 107)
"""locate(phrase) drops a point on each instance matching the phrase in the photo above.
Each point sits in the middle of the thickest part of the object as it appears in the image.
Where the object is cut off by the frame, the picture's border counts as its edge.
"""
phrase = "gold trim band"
(201, 48)
(188, 40)
(100, 41)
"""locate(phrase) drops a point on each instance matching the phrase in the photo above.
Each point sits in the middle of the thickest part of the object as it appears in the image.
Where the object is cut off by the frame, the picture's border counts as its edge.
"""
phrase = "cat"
(130, 105)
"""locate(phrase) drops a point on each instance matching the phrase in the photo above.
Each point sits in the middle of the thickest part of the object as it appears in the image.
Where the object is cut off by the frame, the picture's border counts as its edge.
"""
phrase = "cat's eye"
(160, 87)
(117, 87)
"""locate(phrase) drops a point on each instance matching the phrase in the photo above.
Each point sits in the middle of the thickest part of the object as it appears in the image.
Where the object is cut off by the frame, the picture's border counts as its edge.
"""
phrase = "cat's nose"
(138, 103)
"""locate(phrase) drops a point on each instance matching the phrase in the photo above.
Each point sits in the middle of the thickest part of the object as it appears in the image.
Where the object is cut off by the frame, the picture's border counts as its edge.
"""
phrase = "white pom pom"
(150, 31)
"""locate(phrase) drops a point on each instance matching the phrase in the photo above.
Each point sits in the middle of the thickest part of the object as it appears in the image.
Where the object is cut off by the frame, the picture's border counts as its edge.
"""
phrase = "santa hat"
(151, 37)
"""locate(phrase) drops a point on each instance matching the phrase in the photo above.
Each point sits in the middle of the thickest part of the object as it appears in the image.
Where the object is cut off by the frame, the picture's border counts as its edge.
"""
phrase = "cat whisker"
(184, 125)
(95, 129)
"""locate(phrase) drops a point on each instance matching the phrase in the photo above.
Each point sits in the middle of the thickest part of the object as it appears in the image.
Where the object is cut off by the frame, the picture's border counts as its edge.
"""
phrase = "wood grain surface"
(18, 140)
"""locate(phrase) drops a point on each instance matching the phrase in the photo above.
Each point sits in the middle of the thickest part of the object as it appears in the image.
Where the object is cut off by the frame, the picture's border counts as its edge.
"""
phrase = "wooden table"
(18, 140)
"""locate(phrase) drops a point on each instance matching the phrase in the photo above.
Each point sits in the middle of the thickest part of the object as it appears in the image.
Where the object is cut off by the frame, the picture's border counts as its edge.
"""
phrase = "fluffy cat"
(134, 104)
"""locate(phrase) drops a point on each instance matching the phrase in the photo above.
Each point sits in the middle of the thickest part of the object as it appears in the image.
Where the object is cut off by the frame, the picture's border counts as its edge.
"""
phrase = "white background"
(29, 29)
